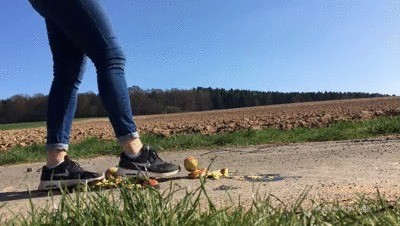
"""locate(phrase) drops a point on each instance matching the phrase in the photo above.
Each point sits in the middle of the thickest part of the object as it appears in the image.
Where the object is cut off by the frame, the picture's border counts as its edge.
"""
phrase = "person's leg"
(99, 43)
(68, 60)
(86, 24)
(68, 70)
(94, 35)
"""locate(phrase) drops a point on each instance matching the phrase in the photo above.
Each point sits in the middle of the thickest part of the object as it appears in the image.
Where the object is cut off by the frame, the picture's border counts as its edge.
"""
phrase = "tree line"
(23, 108)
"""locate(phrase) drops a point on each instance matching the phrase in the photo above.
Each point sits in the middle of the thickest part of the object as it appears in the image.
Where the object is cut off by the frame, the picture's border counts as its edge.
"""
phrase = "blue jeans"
(79, 28)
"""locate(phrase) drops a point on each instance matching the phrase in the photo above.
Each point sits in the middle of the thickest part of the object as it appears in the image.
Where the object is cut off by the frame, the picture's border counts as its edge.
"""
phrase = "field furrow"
(287, 116)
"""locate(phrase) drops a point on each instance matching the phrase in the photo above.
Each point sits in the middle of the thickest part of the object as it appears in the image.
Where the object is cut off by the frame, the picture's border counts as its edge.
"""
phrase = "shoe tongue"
(149, 154)
(146, 153)
(71, 164)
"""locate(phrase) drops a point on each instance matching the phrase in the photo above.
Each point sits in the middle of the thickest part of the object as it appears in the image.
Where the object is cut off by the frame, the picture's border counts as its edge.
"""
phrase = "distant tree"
(89, 105)
(24, 108)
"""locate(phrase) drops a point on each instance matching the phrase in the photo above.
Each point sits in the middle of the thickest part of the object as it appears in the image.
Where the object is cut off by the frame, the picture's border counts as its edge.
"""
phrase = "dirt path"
(333, 170)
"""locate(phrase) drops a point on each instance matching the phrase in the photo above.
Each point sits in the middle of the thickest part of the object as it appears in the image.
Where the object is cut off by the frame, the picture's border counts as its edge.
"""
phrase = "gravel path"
(332, 171)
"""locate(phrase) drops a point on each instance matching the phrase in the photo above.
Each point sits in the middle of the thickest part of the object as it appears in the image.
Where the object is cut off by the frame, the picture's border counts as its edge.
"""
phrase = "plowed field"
(287, 116)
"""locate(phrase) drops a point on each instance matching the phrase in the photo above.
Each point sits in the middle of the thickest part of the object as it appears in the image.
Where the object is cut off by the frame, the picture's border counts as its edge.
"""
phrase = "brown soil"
(286, 116)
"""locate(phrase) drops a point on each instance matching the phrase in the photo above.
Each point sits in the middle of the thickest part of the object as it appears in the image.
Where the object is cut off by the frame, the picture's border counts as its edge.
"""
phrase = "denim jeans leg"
(68, 66)
(87, 26)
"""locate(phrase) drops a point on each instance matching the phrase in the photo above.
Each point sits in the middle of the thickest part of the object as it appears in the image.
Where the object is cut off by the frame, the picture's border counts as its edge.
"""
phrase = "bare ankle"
(55, 157)
(132, 146)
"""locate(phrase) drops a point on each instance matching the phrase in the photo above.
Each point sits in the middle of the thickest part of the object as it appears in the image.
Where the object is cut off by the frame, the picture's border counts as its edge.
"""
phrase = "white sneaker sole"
(142, 174)
(59, 184)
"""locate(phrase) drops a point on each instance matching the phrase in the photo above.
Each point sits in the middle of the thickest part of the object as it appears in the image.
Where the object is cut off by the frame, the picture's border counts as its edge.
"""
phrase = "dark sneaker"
(148, 164)
(67, 174)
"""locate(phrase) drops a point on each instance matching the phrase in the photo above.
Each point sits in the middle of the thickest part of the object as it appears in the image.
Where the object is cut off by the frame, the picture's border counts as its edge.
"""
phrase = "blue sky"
(269, 45)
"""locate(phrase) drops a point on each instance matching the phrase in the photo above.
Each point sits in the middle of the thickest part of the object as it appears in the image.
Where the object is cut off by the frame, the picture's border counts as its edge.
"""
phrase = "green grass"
(28, 125)
(151, 207)
(339, 131)
(24, 125)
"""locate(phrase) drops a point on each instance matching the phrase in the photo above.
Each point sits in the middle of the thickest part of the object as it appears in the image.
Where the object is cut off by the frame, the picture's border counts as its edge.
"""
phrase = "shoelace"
(74, 163)
(153, 156)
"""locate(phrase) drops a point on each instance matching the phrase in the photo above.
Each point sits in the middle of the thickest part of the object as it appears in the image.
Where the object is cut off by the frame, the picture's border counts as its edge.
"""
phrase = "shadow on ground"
(18, 195)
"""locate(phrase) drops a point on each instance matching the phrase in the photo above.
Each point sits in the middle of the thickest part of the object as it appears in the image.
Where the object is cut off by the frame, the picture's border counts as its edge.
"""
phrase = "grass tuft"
(152, 207)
